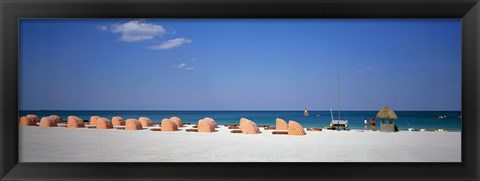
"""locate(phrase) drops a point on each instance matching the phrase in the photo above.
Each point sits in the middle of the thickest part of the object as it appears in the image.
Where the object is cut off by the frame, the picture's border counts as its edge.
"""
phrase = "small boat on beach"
(338, 124)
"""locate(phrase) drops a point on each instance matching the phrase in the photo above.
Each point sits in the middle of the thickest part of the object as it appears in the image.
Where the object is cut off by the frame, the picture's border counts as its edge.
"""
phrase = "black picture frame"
(12, 11)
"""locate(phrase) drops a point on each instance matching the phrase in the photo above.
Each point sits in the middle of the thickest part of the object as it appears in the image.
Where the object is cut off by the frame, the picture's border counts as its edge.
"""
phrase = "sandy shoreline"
(57, 144)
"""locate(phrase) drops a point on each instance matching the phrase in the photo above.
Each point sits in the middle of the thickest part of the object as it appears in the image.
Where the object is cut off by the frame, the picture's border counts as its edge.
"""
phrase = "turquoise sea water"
(406, 119)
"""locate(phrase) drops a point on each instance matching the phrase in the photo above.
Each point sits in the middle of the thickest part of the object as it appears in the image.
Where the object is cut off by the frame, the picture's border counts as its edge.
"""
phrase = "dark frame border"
(11, 11)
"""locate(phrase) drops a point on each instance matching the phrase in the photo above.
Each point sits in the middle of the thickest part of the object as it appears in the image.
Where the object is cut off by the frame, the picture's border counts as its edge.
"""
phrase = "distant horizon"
(262, 64)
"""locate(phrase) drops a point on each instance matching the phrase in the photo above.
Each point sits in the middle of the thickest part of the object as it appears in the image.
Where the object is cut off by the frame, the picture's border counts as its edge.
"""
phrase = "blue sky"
(234, 64)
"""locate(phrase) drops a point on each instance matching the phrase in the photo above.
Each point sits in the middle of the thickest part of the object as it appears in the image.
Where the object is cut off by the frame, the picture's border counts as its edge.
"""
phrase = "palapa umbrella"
(386, 113)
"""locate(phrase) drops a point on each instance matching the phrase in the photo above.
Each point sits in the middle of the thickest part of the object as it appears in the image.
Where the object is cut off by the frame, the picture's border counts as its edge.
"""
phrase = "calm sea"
(406, 119)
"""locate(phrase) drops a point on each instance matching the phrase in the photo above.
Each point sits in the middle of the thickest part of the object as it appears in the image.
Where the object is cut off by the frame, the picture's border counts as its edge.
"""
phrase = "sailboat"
(305, 112)
(338, 124)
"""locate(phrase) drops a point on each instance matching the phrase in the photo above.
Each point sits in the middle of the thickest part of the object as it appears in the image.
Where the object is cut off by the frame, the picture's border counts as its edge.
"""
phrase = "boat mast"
(331, 113)
(338, 94)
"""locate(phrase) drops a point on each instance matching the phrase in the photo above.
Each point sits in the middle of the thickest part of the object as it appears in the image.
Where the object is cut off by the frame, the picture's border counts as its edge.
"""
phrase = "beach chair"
(212, 121)
(27, 121)
(119, 127)
(249, 127)
(93, 120)
(295, 128)
(191, 130)
(91, 126)
(168, 125)
(146, 122)
(281, 124)
(47, 122)
(242, 122)
(227, 125)
(133, 124)
(314, 129)
(237, 126)
(205, 126)
(75, 122)
(177, 121)
(62, 125)
(233, 127)
(56, 118)
(34, 117)
(104, 123)
(236, 131)
(155, 129)
(118, 121)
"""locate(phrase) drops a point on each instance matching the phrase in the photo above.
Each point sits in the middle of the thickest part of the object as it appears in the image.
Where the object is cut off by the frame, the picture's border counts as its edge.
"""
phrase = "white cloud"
(137, 30)
(183, 66)
(102, 28)
(170, 44)
(193, 59)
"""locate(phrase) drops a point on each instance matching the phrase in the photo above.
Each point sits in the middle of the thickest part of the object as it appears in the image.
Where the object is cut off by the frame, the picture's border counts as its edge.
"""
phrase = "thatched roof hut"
(118, 121)
(146, 122)
(387, 113)
(133, 124)
(168, 125)
(75, 122)
(295, 128)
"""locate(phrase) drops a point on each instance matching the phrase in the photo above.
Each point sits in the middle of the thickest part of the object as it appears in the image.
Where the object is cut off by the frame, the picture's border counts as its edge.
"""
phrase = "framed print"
(240, 90)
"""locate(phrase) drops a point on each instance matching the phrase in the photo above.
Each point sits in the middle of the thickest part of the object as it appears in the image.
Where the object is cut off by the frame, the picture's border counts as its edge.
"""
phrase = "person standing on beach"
(372, 123)
(365, 124)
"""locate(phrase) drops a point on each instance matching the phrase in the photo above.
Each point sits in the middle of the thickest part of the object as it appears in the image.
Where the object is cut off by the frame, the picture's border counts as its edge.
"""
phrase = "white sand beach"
(55, 144)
